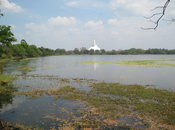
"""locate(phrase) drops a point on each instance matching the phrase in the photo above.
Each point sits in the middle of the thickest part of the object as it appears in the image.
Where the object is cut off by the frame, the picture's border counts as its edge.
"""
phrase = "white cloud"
(114, 33)
(62, 21)
(135, 6)
(67, 29)
(53, 30)
(10, 7)
(53, 24)
(73, 3)
(31, 17)
(32, 26)
(13, 26)
(87, 4)
(173, 13)
(112, 22)
(74, 29)
(93, 25)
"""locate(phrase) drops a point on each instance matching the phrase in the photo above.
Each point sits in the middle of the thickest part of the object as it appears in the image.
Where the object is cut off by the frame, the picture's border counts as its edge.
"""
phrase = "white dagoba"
(95, 47)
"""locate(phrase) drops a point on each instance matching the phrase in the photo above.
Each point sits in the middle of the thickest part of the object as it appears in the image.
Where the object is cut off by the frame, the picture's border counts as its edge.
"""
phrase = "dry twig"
(162, 14)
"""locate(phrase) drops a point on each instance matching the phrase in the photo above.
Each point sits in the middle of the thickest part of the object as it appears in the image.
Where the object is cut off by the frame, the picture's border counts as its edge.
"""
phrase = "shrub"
(4, 56)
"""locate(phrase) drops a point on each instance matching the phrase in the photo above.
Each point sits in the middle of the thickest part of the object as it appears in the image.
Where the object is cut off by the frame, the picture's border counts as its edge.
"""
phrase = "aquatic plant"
(25, 59)
(26, 69)
(107, 102)
(4, 60)
(145, 63)
(49, 66)
(151, 102)
(5, 79)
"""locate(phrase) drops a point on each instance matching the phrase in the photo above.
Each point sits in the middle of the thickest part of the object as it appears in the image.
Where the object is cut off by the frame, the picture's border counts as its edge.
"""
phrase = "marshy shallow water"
(63, 91)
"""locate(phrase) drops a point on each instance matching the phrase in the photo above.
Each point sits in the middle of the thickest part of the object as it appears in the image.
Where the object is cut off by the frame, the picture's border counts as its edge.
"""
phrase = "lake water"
(31, 111)
(71, 67)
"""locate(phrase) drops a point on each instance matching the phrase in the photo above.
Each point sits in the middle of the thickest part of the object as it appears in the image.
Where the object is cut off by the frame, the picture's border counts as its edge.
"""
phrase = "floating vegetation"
(5, 79)
(124, 77)
(25, 59)
(49, 66)
(145, 63)
(26, 69)
(93, 62)
(158, 104)
(4, 60)
(131, 70)
(107, 103)
(7, 126)
(11, 126)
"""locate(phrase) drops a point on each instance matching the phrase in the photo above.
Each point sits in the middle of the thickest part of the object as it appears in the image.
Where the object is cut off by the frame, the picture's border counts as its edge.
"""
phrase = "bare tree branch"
(162, 14)
(170, 21)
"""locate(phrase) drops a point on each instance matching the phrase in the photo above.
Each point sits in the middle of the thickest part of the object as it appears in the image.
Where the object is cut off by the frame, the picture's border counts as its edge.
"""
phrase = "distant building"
(95, 47)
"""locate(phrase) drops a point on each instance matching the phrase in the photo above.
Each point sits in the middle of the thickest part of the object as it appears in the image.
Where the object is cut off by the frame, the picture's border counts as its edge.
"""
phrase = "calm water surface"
(71, 67)
(33, 111)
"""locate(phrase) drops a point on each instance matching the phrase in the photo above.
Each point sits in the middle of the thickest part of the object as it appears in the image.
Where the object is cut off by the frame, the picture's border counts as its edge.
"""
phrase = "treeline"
(24, 50)
(132, 51)
(8, 50)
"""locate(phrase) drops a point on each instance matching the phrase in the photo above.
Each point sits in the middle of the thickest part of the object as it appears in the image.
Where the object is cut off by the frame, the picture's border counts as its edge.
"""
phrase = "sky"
(70, 24)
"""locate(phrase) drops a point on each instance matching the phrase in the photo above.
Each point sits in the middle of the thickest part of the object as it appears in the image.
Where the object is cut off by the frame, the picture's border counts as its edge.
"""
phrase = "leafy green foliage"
(60, 51)
(18, 50)
(4, 56)
(46, 51)
(6, 38)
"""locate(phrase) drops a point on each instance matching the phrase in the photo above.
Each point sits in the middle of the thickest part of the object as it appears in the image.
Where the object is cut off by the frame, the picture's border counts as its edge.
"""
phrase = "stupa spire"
(94, 42)
(94, 47)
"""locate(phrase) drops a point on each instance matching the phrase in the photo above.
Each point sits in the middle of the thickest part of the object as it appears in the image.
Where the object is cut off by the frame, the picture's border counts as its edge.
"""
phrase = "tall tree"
(76, 51)
(6, 38)
(83, 50)
(103, 51)
(91, 52)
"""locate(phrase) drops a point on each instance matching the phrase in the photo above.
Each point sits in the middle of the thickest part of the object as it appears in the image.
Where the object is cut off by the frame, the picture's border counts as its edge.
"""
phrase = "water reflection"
(6, 96)
(22, 66)
(14, 102)
(95, 66)
(44, 111)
